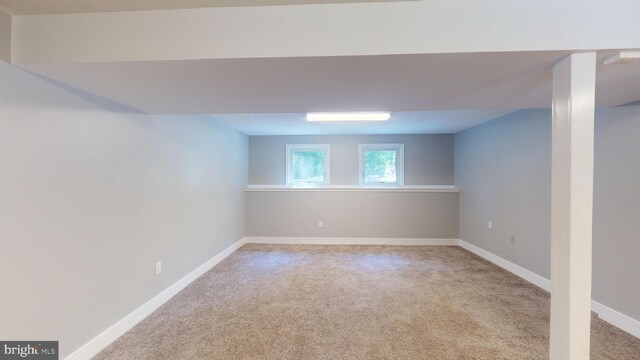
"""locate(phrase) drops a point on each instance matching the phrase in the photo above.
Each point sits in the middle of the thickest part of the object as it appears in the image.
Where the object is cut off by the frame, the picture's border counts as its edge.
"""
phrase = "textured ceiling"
(37, 7)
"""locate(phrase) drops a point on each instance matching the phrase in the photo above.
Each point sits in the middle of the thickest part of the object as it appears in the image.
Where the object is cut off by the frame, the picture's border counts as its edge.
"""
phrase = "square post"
(572, 205)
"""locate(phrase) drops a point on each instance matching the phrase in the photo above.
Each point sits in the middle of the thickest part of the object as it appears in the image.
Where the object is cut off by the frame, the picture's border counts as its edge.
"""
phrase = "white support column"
(572, 205)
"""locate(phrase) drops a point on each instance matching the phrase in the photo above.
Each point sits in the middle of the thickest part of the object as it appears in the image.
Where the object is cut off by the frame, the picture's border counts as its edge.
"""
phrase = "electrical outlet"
(490, 225)
(512, 239)
(158, 267)
(320, 224)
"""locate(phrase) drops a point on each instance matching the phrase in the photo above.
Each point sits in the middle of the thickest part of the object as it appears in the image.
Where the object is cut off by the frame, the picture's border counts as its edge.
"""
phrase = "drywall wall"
(354, 214)
(503, 169)
(93, 195)
(616, 210)
(5, 37)
(428, 159)
(394, 214)
(406, 27)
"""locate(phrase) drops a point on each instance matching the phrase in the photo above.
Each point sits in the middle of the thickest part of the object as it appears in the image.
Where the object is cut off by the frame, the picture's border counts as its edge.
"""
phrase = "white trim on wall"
(410, 188)
(530, 276)
(613, 317)
(97, 344)
(617, 319)
(349, 241)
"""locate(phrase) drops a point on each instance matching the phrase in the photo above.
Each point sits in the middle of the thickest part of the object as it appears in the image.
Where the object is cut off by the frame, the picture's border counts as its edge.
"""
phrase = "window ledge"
(410, 188)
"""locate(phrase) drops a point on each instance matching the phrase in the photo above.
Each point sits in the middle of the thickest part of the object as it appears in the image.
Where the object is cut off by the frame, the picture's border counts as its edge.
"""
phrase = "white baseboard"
(97, 344)
(617, 319)
(101, 341)
(530, 276)
(348, 241)
(613, 317)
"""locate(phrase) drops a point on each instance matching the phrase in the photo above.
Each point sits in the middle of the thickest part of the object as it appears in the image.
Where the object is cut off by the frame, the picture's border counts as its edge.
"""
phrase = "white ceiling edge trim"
(419, 27)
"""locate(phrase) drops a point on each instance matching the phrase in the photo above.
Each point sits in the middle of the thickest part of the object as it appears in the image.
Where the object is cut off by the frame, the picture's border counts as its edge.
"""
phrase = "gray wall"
(428, 158)
(93, 195)
(428, 161)
(616, 211)
(353, 214)
(503, 168)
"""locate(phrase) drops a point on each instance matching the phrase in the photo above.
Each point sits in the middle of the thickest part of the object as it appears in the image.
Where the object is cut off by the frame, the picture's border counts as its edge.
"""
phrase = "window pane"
(380, 166)
(308, 166)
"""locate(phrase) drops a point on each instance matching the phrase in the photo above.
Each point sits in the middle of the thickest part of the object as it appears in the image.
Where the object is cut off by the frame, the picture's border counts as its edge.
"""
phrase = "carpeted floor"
(356, 302)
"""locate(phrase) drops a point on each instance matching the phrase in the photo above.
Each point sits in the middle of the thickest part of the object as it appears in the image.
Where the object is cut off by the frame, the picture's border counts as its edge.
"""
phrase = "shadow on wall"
(8, 71)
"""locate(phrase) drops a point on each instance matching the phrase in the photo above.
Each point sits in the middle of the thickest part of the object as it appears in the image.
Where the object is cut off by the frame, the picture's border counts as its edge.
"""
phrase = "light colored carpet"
(356, 302)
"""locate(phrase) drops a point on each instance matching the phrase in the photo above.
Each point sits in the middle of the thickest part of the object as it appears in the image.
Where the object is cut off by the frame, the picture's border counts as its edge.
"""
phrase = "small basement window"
(308, 165)
(382, 165)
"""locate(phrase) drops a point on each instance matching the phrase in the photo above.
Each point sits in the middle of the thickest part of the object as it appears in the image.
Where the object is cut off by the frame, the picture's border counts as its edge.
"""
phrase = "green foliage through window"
(380, 166)
(308, 166)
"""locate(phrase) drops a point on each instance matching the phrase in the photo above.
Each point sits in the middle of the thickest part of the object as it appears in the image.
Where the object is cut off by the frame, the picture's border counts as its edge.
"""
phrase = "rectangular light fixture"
(349, 116)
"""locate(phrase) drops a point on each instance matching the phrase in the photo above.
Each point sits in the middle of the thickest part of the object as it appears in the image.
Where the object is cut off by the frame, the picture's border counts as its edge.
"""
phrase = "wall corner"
(5, 37)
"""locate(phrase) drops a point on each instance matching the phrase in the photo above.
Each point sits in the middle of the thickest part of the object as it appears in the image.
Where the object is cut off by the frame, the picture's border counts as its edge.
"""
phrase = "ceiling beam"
(411, 27)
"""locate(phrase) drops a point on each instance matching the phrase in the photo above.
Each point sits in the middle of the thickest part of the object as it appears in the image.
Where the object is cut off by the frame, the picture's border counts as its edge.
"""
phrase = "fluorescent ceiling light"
(349, 116)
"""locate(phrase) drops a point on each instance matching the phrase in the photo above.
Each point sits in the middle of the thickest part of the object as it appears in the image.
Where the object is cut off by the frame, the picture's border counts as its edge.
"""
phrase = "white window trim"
(399, 148)
(325, 148)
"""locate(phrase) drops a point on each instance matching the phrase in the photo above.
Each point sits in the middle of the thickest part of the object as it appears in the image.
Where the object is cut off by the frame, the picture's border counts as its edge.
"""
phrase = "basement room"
(306, 179)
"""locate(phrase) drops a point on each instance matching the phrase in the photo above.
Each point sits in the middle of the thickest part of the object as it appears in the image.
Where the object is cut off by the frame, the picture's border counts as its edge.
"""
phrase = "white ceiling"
(417, 122)
(39, 7)
(349, 83)
(440, 93)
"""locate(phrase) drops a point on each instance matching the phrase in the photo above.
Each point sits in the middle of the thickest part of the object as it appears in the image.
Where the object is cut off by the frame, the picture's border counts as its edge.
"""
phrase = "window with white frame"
(308, 165)
(381, 164)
